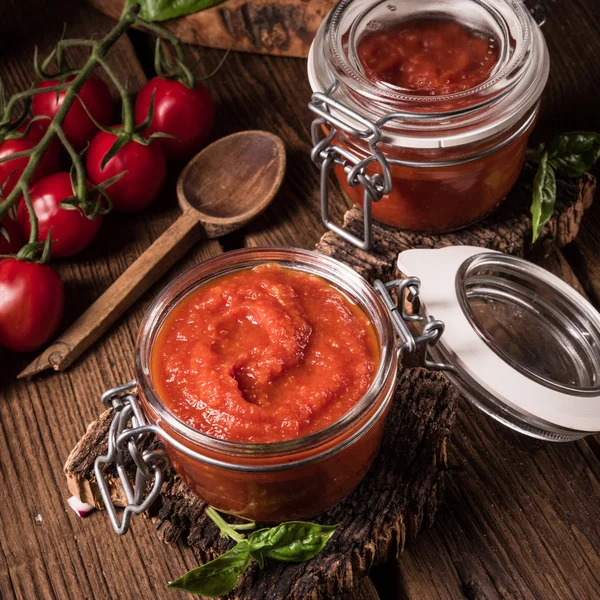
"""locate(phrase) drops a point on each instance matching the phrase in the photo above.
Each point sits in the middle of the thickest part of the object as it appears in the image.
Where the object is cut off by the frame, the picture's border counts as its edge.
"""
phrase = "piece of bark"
(398, 497)
(508, 229)
(279, 27)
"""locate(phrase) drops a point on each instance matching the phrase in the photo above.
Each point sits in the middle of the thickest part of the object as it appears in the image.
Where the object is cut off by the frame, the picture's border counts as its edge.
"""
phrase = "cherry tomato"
(78, 127)
(71, 230)
(37, 129)
(179, 111)
(31, 304)
(145, 166)
(11, 170)
(15, 240)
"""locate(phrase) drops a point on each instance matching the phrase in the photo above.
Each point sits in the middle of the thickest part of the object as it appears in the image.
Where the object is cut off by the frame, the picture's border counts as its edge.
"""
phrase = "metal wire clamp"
(124, 440)
(431, 330)
(326, 154)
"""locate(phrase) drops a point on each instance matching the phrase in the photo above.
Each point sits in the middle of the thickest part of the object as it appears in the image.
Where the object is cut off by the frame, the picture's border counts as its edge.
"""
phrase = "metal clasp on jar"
(128, 432)
(430, 331)
(326, 154)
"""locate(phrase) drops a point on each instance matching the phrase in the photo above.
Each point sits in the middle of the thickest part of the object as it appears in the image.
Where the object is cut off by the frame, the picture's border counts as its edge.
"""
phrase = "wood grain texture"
(468, 553)
(46, 551)
(537, 537)
(279, 27)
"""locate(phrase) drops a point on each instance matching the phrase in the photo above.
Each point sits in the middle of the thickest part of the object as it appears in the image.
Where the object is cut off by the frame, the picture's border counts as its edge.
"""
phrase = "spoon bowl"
(232, 181)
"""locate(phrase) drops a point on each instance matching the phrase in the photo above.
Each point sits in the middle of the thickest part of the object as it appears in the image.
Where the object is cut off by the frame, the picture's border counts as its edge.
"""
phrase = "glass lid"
(382, 58)
(524, 346)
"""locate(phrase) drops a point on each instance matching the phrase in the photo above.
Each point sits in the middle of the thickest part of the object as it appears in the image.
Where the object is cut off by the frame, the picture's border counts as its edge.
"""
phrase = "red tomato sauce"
(264, 355)
(429, 56)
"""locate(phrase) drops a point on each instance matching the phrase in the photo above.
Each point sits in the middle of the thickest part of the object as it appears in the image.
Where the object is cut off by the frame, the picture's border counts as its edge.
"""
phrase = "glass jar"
(415, 161)
(280, 481)
(518, 342)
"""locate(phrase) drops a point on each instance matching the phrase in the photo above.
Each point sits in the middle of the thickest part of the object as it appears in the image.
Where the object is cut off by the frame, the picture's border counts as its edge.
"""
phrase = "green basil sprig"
(294, 541)
(161, 10)
(568, 155)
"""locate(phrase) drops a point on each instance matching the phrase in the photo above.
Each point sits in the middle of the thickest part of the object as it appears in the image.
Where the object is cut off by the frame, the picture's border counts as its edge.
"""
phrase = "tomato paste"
(264, 355)
(430, 56)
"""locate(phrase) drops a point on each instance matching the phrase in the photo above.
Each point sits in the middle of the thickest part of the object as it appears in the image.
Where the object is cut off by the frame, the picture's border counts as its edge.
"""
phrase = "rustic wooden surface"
(279, 27)
(522, 518)
(409, 471)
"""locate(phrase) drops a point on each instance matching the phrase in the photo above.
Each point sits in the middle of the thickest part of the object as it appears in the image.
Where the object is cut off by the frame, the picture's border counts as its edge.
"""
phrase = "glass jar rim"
(421, 121)
(334, 272)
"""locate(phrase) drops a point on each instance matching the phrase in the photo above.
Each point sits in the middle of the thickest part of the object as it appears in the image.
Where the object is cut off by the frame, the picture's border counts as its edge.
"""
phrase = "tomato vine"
(92, 201)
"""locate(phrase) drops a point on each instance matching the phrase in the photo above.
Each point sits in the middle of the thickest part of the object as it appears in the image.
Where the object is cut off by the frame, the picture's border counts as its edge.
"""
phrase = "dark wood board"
(408, 472)
(279, 27)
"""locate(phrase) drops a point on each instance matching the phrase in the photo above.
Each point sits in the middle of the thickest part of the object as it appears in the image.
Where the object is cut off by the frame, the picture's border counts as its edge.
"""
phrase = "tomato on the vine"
(13, 240)
(144, 168)
(188, 114)
(31, 304)
(34, 130)
(79, 129)
(72, 231)
(11, 170)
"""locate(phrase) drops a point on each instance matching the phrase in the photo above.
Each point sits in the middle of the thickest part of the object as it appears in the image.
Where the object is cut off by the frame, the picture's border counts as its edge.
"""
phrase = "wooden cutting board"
(280, 27)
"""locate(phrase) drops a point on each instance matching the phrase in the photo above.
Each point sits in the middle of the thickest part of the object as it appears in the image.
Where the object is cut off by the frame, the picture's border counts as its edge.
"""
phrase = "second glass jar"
(454, 143)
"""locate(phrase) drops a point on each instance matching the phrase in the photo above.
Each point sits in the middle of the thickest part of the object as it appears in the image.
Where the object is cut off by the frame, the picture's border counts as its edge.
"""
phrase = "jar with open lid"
(516, 341)
(424, 107)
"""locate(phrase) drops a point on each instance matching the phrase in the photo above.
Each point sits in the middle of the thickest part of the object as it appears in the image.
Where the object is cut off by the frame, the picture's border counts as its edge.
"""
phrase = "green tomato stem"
(33, 234)
(188, 76)
(99, 51)
(82, 191)
(127, 108)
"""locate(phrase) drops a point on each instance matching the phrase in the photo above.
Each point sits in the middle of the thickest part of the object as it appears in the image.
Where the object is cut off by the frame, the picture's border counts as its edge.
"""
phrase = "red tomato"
(187, 114)
(71, 230)
(31, 304)
(145, 166)
(78, 127)
(11, 170)
(37, 129)
(15, 240)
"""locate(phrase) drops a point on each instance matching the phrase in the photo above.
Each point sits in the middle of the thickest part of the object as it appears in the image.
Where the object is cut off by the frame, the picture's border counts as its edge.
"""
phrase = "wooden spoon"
(223, 187)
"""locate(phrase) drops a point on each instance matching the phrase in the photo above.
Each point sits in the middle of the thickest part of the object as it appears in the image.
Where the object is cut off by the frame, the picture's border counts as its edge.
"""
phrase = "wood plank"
(68, 557)
(279, 27)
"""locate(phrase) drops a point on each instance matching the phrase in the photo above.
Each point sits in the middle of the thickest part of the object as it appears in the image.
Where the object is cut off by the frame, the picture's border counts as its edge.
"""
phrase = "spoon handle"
(138, 277)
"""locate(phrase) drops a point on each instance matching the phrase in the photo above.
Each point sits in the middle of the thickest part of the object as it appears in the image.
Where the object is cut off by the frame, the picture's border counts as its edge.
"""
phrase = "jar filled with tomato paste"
(424, 107)
(267, 373)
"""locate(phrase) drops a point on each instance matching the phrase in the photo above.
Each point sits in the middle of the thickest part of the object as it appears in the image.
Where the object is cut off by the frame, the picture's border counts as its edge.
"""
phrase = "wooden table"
(522, 518)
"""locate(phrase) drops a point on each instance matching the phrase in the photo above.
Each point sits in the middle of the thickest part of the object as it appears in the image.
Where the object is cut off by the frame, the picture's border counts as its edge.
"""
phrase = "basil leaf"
(572, 154)
(295, 541)
(544, 196)
(161, 10)
(217, 577)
